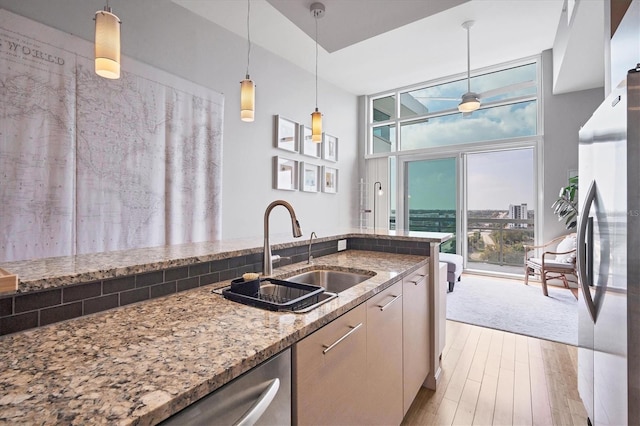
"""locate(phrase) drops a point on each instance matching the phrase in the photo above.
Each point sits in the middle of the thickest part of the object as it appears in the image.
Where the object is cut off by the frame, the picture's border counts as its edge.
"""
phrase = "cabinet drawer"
(384, 357)
(418, 276)
(415, 333)
(329, 368)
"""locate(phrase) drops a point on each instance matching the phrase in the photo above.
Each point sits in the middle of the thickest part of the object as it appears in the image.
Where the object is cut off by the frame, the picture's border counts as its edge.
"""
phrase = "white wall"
(563, 116)
(165, 35)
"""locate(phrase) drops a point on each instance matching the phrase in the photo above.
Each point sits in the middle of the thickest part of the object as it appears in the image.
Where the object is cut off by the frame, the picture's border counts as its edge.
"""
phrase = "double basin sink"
(331, 280)
(301, 292)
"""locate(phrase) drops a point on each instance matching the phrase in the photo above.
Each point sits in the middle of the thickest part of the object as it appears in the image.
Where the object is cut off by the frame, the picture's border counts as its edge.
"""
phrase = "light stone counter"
(141, 363)
(54, 272)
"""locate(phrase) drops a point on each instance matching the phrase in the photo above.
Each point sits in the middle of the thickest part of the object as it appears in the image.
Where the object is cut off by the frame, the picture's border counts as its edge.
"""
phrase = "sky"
(495, 180)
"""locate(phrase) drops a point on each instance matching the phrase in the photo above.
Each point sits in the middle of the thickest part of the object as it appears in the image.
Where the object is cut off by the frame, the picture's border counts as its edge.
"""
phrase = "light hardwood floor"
(492, 377)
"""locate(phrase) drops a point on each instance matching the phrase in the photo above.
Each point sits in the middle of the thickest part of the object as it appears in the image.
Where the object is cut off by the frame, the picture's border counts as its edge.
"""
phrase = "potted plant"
(566, 206)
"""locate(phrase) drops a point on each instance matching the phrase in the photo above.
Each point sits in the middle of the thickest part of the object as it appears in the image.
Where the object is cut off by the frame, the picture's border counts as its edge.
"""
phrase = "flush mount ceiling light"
(247, 87)
(317, 11)
(470, 100)
(107, 44)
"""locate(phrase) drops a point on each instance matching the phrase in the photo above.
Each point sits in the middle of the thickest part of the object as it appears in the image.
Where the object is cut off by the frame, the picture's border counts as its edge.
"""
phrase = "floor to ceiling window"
(431, 197)
(436, 154)
(500, 209)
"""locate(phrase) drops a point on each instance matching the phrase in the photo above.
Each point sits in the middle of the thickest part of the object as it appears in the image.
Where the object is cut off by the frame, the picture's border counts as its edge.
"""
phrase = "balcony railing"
(498, 241)
(490, 241)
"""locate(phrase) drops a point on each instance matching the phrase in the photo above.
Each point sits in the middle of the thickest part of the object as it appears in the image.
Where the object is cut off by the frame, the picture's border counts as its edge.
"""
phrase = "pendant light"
(247, 87)
(107, 44)
(317, 10)
(470, 101)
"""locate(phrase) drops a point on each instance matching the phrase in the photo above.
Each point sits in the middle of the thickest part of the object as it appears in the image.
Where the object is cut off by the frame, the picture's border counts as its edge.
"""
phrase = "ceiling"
(372, 46)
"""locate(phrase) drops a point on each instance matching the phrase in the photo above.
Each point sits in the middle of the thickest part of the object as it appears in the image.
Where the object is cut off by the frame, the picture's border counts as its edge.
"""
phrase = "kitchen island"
(141, 363)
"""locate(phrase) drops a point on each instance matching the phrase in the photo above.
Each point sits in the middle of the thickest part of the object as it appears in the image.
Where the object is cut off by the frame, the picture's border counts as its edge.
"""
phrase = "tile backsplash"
(20, 312)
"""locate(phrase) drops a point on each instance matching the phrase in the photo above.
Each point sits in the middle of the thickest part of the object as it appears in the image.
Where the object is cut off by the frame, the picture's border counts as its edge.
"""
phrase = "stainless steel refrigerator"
(609, 258)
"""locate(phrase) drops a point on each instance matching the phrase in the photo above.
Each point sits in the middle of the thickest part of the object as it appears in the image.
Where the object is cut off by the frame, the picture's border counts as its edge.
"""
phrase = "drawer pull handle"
(419, 279)
(382, 308)
(350, 332)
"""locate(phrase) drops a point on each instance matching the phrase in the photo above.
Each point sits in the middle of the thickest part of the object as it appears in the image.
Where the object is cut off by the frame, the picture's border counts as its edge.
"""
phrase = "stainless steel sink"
(333, 281)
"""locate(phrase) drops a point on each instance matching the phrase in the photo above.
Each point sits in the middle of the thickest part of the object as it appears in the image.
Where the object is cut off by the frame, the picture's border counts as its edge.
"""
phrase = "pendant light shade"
(317, 11)
(247, 99)
(107, 44)
(247, 87)
(469, 103)
(316, 126)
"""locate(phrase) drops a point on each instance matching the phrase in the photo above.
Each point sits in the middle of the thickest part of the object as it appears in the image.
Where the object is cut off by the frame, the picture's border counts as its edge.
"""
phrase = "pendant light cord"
(468, 61)
(316, 18)
(248, 35)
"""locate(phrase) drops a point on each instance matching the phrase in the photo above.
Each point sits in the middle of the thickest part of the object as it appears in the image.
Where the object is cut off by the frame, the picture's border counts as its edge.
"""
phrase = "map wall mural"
(89, 164)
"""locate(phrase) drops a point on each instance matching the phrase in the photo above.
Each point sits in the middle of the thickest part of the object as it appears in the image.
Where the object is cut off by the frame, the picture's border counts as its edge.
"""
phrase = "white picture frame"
(329, 180)
(287, 134)
(329, 147)
(307, 146)
(309, 177)
(285, 173)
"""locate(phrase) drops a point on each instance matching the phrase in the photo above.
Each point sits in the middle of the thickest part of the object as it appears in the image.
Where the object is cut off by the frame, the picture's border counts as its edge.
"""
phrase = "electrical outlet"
(342, 245)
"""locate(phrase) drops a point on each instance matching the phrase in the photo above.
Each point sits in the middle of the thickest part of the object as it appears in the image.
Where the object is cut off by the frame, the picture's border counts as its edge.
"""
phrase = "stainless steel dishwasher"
(261, 396)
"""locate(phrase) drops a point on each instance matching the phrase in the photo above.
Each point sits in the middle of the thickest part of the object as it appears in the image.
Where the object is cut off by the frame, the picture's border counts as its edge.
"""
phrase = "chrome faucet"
(267, 267)
(310, 258)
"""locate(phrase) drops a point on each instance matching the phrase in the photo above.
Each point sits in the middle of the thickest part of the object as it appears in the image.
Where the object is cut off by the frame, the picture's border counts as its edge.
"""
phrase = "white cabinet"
(329, 370)
(384, 357)
(415, 334)
(366, 366)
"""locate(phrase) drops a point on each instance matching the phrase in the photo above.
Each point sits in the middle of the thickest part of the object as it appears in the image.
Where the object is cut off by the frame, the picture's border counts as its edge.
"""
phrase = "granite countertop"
(53, 272)
(141, 363)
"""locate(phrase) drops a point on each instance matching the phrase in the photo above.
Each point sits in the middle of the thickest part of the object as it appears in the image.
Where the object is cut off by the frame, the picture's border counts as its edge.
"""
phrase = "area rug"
(510, 305)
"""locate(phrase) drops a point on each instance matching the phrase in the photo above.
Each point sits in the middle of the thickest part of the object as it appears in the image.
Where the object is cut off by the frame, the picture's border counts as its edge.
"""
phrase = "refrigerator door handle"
(583, 249)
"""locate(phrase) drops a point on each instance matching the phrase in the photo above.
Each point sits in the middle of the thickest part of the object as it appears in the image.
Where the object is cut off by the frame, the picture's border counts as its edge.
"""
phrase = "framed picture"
(285, 174)
(329, 180)
(287, 134)
(309, 147)
(329, 147)
(309, 175)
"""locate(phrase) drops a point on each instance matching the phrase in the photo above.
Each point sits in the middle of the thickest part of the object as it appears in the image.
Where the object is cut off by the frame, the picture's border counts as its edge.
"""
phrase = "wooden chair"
(552, 264)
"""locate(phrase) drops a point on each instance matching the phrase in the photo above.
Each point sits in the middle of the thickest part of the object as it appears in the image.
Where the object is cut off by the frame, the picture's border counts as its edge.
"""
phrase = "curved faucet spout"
(267, 267)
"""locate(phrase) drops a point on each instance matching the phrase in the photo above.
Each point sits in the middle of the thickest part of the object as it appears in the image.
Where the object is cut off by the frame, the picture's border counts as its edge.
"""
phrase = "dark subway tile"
(6, 306)
(82, 291)
(176, 273)
(99, 304)
(235, 262)
(150, 278)
(287, 252)
(246, 268)
(211, 278)
(118, 284)
(163, 289)
(17, 323)
(228, 274)
(41, 299)
(198, 269)
(403, 250)
(60, 313)
(420, 251)
(219, 265)
(381, 242)
(188, 283)
(132, 296)
(254, 258)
